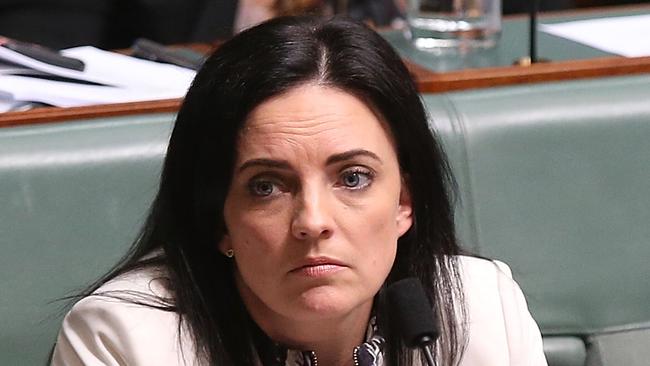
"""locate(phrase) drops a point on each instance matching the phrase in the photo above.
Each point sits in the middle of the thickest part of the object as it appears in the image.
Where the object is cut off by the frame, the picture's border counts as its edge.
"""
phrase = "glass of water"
(453, 24)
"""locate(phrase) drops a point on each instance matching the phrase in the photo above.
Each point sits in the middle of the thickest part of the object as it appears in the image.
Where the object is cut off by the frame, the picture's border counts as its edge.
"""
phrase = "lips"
(318, 267)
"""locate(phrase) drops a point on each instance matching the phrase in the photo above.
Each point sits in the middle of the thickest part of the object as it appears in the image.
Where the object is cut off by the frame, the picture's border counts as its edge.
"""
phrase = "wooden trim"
(429, 82)
(55, 114)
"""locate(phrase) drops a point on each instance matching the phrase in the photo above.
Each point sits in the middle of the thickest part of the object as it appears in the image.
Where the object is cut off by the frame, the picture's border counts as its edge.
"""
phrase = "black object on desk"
(42, 54)
(150, 50)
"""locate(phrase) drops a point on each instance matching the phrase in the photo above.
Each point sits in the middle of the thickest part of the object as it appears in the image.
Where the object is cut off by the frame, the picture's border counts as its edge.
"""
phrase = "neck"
(332, 338)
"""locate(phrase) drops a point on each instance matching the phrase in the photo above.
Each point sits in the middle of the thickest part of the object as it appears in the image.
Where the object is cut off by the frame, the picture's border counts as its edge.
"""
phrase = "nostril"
(306, 234)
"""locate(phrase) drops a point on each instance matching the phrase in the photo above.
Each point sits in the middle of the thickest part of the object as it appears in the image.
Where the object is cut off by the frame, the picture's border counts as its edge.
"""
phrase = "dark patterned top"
(369, 353)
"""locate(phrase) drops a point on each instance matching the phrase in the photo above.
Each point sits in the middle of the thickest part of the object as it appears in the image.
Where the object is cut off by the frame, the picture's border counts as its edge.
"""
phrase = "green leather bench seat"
(555, 180)
(73, 198)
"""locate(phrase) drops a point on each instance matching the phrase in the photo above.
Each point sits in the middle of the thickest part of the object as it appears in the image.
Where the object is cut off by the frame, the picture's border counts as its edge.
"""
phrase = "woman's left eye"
(356, 179)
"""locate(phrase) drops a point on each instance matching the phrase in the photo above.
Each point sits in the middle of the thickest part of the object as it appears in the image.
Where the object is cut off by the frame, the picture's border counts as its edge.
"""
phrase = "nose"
(312, 217)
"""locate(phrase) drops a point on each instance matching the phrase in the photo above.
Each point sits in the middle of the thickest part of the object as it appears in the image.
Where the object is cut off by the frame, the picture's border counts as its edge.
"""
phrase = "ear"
(224, 244)
(404, 210)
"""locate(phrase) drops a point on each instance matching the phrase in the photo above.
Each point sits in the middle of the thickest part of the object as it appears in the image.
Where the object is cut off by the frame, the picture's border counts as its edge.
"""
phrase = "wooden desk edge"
(428, 82)
(56, 114)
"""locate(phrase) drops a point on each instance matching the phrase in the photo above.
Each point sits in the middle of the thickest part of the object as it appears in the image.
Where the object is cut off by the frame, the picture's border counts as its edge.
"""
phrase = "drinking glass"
(453, 24)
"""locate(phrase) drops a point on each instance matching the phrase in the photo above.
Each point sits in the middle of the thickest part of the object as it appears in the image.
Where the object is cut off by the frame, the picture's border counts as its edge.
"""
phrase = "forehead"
(313, 116)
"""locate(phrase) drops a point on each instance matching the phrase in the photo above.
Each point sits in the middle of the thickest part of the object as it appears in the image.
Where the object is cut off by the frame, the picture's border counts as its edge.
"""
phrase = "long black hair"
(186, 220)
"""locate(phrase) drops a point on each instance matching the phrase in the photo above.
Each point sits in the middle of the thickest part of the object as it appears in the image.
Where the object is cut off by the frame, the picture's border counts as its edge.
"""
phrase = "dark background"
(114, 24)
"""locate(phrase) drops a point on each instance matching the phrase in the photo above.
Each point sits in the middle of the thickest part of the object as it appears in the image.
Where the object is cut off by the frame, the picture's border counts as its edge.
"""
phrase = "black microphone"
(413, 316)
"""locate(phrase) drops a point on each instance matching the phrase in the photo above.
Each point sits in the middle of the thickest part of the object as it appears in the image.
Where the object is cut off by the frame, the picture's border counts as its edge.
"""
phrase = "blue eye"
(262, 188)
(356, 179)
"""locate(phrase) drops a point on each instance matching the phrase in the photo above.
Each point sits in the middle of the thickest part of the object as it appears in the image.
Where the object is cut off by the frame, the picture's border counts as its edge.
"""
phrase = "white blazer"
(101, 331)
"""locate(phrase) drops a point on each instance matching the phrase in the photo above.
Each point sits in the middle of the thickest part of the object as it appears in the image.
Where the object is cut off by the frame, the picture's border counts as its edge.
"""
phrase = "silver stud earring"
(230, 253)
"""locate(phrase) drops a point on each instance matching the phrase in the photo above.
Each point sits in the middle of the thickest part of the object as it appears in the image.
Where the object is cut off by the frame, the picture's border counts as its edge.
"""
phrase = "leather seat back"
(74, 196)
(555, 181)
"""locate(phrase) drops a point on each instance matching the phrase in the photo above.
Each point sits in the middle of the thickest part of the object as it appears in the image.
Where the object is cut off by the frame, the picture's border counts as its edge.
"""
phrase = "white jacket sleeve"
(524, 337)
(501, 330)
(105, 331)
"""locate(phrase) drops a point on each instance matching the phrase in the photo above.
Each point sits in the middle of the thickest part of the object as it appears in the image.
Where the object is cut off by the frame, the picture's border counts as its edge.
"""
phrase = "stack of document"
(107, 77)
(624, 35)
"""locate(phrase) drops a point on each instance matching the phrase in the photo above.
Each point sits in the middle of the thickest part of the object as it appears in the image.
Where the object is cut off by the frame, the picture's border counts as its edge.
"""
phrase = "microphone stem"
(534, 9)
(428, 355)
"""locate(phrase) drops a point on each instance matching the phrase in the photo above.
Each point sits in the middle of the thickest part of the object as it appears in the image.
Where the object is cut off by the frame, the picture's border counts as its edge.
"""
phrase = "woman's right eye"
(262, 187)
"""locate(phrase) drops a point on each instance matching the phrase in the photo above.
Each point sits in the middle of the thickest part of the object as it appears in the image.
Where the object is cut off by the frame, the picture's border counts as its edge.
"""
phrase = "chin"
(325, 302)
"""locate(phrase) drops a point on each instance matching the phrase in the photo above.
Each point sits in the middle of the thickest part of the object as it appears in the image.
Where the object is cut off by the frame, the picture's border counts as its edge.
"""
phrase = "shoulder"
(500, 325)
(489, 279)
(476, 265)
(122, 323)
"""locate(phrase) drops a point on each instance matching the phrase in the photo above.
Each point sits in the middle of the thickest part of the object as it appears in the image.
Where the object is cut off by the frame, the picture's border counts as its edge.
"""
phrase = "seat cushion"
(565, 351)
(629, 346)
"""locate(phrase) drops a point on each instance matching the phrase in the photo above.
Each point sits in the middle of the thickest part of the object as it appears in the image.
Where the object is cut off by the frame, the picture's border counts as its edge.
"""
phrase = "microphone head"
(411, 313)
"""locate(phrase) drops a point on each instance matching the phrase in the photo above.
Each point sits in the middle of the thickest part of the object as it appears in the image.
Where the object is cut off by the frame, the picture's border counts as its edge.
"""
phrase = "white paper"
(63, 94)
(120, 70)
(7, 69)
(125, 79)
(627, 36)
(7, 105)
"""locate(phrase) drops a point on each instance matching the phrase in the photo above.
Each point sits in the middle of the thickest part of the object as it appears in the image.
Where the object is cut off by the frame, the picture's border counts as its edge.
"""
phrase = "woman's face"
(315, 207)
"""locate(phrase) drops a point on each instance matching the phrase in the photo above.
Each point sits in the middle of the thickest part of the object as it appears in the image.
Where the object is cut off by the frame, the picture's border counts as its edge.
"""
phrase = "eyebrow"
(283, 164)
(268, 163)
(336, 158)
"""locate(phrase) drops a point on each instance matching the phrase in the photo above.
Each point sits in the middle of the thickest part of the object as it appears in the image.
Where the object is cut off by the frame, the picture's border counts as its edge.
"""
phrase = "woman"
(301, 179)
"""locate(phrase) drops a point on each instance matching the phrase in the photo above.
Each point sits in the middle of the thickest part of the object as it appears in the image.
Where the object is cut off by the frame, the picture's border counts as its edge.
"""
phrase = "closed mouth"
(321, 266)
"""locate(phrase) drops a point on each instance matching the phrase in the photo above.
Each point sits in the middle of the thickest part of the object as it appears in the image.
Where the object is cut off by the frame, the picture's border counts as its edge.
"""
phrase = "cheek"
(377, 220)
(377, 259)
(372, 229)
(258, 252)
(246, 218)
(256, 233)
